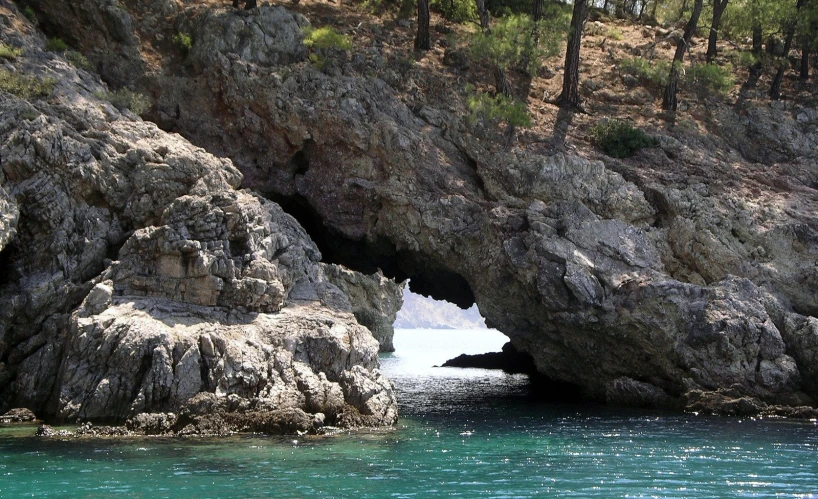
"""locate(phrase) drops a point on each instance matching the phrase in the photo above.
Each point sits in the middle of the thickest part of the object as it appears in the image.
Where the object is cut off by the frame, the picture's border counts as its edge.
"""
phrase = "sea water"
(462, 433)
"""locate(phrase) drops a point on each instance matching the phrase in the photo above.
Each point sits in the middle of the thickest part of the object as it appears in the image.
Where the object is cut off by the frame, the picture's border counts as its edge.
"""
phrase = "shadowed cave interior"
(426, 279)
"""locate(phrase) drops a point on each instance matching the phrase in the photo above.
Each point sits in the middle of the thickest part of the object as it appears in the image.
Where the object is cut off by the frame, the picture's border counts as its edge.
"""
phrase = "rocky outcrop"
(375, 300)
(18, 415)
(137, 280)
(688, 268)
(509, 360)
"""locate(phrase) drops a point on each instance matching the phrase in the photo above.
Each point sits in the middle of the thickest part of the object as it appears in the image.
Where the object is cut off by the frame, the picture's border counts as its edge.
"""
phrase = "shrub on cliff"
(78, 60)
(126, 99)
(183, 41)
(618, 138)
(24, 86)
(648, 72)
(497, 108)
(56, 45)
(325, 38)
(9, 53)
(711, 78)
(324, 43)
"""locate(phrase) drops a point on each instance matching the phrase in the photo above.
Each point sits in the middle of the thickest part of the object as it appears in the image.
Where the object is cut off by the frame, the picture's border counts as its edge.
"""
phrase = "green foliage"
(78, 60)
(455, 10)
(745, 59)
(56, 45)
(325, 38)
(24, 86)
(614, 34)
(183, 41)
(649, 72)
(618, 138)
(497, 108)
(770, 15)
(29, 13)
(324, 43)
(29, 114)
(318, 60)
(511, 42)
(126, 99)
(9, 53)
(711, 78)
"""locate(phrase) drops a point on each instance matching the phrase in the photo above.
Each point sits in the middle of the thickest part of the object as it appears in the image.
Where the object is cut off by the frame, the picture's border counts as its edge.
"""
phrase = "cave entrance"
(430, 332)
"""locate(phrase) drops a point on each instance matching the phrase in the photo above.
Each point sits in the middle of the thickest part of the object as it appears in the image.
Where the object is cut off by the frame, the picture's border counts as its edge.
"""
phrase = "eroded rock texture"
(136, 279)
(688, 269)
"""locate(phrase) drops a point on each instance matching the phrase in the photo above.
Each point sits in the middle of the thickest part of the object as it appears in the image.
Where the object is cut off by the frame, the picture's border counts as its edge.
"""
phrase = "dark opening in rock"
(427, 278)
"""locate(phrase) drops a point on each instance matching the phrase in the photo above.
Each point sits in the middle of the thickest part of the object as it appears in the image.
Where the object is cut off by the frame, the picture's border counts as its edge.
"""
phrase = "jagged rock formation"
(138, 280)
(689, 269)
(374, 299)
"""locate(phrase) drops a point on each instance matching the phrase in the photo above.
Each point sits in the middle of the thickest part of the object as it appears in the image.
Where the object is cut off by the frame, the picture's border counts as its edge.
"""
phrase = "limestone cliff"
(690, 268)
(137, 279)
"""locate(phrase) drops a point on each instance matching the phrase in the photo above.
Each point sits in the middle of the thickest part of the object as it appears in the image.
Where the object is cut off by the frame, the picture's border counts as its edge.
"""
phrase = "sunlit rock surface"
(137, 279)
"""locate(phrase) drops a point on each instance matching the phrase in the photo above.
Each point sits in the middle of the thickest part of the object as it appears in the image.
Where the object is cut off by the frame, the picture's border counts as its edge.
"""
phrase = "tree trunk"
(775, 88)
(804, 74)
(758, 40)
(619, 9)
(718, 11)
(653, 12)
(501, 83)
(669, 101)
(251, 4)
(484, 15)
(235, 4)
(536, 15)
(570, 81)
(684, 8)
(483, 12)
(423, 39)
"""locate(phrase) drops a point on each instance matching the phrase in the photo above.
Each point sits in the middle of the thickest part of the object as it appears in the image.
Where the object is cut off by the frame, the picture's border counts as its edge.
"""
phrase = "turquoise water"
(463, 433)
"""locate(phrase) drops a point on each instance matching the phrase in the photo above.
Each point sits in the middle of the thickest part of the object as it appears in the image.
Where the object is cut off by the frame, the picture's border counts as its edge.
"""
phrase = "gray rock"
(266, 36)
(192, 316)
(375, 300)
(630, 80)
(18, 415)
(628, 392)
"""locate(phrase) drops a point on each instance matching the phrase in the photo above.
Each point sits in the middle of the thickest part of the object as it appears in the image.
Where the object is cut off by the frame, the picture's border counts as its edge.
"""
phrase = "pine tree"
(423, 39)
(719, 6)
(669, 101)
(569, 98)
(775, 88)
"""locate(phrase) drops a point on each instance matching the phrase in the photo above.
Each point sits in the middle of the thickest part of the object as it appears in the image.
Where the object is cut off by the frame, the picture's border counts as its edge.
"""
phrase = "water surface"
(463, 433)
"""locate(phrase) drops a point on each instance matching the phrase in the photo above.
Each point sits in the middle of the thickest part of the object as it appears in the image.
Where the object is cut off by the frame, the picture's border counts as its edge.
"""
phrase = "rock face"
(689, 268)
(138, 280)
(375, 301)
